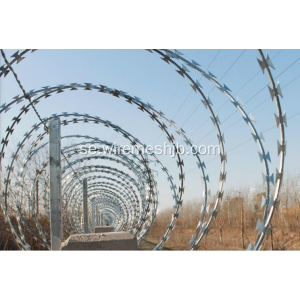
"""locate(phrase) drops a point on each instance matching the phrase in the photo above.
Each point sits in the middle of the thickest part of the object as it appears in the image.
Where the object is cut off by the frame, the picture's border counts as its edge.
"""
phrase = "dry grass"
(233, 229)
(285, 232)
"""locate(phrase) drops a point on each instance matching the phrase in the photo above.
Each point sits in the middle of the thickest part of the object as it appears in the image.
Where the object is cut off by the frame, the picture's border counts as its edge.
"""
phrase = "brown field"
(282, 240)
(233, 229)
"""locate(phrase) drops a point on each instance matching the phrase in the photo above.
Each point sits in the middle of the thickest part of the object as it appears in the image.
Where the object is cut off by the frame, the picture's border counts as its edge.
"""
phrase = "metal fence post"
(85, 207)
(93, 215)
(55, 184)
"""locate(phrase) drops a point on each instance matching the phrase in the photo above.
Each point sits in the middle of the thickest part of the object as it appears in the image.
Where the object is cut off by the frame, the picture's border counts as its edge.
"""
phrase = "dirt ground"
(282, 240)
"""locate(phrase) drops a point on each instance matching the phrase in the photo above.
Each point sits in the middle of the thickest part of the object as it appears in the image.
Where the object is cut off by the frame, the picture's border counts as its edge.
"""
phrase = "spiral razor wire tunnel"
(127, 197)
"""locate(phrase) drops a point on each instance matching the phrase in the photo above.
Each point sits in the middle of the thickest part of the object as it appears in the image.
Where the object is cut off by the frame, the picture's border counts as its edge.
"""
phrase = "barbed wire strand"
(213, 60)
(26, 95)
(253, 98)
(237, 146)
(194, 111)
(228, 101)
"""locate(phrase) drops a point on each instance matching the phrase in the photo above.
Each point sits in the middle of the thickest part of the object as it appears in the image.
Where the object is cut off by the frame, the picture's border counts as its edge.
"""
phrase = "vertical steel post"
(55, 184)
(85, 207)
(37, 194)
(97, 216)
(93, 215)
